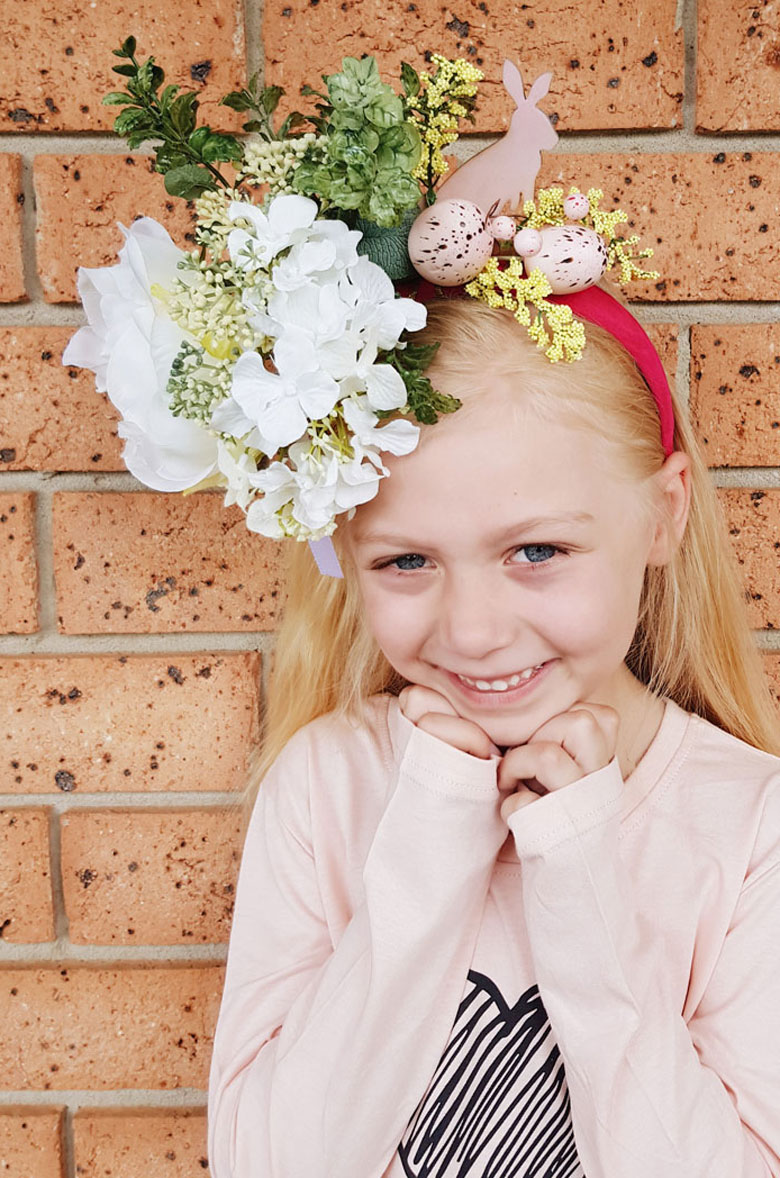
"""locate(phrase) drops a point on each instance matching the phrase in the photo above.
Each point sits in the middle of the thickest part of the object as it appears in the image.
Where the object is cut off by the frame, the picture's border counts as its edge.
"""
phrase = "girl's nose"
(474, 618)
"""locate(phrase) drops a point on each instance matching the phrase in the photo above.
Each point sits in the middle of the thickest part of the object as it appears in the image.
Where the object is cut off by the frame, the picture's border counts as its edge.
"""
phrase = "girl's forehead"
(497, 461)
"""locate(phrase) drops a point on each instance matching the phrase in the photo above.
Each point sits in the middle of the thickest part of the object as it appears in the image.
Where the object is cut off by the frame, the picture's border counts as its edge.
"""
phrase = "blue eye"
(536, 553)
(409, 560)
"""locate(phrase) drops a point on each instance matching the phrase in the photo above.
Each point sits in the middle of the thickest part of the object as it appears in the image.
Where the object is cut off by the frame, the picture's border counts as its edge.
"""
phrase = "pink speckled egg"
(502, 228)
(572, 257)
(576, 206)
(449, 243)
(527, 242)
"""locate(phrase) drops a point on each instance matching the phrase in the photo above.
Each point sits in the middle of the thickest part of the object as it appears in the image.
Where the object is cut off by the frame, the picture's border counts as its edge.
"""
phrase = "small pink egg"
(527, 242)
(449, 243)
(502, 228)
(576, 206)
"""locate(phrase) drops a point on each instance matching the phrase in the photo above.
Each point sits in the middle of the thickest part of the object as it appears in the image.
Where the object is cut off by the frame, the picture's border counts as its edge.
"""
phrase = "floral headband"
(277, 359)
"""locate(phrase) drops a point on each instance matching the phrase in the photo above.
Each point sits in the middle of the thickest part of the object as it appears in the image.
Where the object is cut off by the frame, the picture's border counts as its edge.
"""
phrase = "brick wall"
(134, 625)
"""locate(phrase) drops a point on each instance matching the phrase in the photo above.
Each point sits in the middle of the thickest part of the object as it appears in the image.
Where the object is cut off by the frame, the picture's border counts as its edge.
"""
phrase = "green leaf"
(188, 181)
(127, 71)
(410, 80)
(237, 100)
(293, 121)
(128, 47)
(158, 77)
(198, 138)
(183, 113)
(168, 95)
(269, 99)
(117, 98)
(134, 120)
(222, 147)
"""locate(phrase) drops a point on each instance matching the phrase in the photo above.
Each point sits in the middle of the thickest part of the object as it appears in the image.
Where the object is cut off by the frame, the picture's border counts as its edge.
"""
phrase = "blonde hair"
(692, 641)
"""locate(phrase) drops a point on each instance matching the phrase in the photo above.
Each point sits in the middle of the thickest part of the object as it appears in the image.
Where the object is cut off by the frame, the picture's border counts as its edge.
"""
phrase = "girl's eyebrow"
(573, 517)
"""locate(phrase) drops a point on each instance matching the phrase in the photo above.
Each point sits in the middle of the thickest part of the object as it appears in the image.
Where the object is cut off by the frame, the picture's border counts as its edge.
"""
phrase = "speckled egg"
(572, 257)
(576, 206)
(449, 243)
(502, 228)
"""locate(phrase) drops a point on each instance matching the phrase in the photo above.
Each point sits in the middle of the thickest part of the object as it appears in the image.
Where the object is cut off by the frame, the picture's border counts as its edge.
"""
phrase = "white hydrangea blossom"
(298, 439)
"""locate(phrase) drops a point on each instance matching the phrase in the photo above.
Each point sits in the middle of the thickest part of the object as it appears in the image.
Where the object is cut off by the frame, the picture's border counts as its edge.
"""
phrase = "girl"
(509, 901)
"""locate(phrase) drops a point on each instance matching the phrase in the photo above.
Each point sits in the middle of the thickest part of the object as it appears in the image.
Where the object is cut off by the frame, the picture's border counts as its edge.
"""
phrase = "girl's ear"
(674, 500)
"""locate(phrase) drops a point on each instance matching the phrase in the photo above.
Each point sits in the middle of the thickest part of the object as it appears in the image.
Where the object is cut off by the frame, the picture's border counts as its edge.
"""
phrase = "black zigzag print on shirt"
(498, 1105)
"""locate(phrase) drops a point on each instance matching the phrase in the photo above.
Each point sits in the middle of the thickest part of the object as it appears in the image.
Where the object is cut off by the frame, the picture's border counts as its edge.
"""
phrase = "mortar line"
(64, 955)
(690, 40)
(75, 1099)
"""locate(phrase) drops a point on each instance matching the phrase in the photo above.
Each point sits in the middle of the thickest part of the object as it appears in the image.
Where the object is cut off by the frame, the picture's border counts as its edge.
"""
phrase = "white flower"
(288, 221)
(240, 472)
(130, 347)
(397, 437)
(329, 248)
(277, 406)
(367, 288)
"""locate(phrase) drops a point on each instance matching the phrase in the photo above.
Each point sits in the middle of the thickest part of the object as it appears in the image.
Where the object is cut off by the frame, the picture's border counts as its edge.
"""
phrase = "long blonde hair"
(692, 641)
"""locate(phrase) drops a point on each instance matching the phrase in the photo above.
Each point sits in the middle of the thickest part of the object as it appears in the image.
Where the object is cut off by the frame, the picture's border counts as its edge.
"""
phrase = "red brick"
(772, 664)
(665, 338)
(710, 224)
(150, 877)
(140, 1141)
(735, 397)
(12, 286)
(141, 723)
(18, 569)
(60, 86)
(80, 200)
(51, 418)
(587, 47)
(31, 1143)
(94, 1028)
(754, 523)
(27, 914)
(738, 67)
(141, 562)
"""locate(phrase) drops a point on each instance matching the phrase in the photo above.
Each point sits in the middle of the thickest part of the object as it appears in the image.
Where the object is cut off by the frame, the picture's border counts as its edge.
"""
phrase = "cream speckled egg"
(572, 257)
(449, 243)
(576, 206)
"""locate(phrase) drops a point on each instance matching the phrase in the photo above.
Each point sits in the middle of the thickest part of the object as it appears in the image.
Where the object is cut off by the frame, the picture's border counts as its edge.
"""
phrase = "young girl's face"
(502, 563)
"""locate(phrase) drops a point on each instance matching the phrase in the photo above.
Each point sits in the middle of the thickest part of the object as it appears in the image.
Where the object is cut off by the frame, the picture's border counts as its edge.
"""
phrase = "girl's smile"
(502, 564)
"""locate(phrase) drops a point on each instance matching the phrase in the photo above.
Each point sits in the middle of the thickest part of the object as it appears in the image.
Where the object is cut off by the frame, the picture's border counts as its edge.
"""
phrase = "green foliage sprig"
(422, 399)
(262, 103)
(187, 153)
(370, 147)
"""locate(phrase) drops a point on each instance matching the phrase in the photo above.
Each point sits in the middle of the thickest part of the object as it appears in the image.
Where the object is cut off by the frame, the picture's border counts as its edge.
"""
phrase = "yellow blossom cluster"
(437, 111)
(547, 210)
(552, 326)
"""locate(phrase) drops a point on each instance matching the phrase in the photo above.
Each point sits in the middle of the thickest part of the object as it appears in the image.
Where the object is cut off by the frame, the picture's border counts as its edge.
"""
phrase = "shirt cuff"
(437, 766)
(566, 813)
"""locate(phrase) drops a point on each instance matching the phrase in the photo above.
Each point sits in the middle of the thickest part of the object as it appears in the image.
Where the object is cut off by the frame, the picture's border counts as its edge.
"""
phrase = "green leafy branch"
(187, 153)
(423, 400)
(262, 103)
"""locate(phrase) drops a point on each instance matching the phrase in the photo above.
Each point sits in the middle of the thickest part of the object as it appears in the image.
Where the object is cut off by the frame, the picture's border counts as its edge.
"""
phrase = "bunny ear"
(513, 82)
(539, 89)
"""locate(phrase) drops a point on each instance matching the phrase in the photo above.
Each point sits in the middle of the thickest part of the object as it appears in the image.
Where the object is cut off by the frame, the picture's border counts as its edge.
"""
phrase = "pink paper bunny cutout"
(506, 171)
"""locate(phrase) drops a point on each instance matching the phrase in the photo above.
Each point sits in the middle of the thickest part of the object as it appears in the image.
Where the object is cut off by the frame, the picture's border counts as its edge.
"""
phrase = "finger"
(588, 733)
(415, 701)
(461, 734)
(516, 801)
(544, 764)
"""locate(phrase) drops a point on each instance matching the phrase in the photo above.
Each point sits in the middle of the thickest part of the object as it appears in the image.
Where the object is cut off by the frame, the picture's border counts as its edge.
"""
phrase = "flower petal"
(385, 387)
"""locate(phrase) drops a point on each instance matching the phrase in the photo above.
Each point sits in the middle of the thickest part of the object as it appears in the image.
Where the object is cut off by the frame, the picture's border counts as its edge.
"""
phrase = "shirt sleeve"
(650, 1094)
(321, 1053)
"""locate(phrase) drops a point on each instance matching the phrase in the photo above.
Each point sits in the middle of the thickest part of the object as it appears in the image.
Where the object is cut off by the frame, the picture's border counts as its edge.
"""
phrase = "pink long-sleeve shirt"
(407, 996)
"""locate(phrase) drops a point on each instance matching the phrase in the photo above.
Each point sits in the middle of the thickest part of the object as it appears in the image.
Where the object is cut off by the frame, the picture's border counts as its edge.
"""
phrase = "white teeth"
(500, 684)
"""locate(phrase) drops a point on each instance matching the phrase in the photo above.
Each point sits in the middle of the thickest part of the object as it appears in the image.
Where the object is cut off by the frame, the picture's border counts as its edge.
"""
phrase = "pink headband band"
(599, 307)
(596, 306)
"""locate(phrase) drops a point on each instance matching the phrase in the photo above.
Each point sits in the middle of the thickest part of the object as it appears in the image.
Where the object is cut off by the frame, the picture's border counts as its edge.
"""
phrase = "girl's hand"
(565, 748)
(436, 715)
